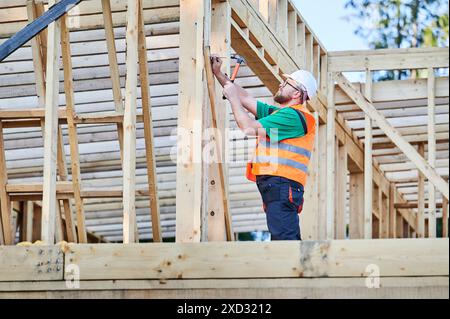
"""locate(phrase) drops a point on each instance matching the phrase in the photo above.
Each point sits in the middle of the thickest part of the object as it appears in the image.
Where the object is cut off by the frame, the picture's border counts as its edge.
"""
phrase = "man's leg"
(282, 199)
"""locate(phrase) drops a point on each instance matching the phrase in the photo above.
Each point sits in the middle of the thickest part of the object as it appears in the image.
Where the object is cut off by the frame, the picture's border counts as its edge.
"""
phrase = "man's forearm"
(243, 119)
(223, 79)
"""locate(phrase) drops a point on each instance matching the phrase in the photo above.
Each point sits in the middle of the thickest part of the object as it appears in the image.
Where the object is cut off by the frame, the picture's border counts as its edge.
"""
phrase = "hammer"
(239, 61)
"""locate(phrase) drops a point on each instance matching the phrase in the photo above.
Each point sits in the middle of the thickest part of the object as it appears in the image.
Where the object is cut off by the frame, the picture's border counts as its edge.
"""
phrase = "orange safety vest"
(288, 158)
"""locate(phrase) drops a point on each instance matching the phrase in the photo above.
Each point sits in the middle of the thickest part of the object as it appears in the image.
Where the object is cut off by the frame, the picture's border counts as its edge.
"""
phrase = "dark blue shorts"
(282, 202)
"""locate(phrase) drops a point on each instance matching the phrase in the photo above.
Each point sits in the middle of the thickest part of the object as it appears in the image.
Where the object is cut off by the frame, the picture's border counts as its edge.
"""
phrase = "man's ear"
(296, 95)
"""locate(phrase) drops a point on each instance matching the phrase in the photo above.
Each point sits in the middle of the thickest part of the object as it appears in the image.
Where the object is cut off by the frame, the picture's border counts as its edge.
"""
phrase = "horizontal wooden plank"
(34, 263)
(393, 59)
(89, 15)
(390, 287)
(397, 90)
(340, 258)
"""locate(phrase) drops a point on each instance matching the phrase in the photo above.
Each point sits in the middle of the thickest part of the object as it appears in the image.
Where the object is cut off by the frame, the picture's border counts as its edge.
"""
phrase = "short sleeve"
(283, 124)
(263, 109)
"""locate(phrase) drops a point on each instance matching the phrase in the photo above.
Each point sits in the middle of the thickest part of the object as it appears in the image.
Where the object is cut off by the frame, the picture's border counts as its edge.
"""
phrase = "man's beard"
(281, 99)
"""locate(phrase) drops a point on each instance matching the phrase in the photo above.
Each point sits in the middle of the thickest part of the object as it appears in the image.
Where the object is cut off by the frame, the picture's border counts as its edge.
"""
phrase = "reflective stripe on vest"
(286, 147)
(287, 158)
(282, 161)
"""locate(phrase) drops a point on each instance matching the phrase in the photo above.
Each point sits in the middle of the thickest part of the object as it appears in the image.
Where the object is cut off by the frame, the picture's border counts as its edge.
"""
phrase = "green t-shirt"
(280, 125)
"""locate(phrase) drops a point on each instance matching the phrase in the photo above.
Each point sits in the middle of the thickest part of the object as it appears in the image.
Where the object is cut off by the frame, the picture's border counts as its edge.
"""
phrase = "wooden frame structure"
(134, 70)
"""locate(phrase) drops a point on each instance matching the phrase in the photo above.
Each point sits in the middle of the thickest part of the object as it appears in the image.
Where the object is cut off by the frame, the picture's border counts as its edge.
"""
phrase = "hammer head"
(238, 58)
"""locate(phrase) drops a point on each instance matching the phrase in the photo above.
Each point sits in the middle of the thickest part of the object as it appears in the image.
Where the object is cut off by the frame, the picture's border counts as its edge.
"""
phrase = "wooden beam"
(148, 130)
(51, 131)
(431, 88)
(40, 71)
(421, 198)
(392, 211)
(368, 163)
(341, 191)
(219, 218)
(38, 56)
(282, 21)
(275, 259)
(5, 201)
(293, 34)
(254, 58)
(218, 143)
(268, 288)
(273, 14)
(27, 221)
(393, 134)
(316, 63)
(331, 153)
(56, 10)
(384, 213)
(263, 9)
(113, 67)
(79, 236)
(309, 218)
(190, 119)
(89, 15)
(300, 58)
(34, 263)
(322, 180)
(400, 226)
(356, 205)
(129, 121)
(309, 52)
(445, 218)
(388, 59)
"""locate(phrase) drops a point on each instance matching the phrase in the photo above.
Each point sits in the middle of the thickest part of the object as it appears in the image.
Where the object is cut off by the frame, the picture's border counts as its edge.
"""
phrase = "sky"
(325, 18)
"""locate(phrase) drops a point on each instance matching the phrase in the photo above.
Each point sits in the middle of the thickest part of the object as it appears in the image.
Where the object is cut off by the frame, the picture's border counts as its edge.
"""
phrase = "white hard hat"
(305, 79)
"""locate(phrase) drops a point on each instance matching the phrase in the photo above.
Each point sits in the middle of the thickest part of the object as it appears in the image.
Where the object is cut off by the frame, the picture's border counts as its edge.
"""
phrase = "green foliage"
(400, 24)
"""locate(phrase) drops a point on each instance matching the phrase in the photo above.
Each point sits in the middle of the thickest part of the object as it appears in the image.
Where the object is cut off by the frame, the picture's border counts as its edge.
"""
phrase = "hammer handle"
(233, 76)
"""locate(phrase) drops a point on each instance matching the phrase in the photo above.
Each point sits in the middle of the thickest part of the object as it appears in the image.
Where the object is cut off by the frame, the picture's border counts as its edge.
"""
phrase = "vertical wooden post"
(148, 129)
(282, 20)
(316, 62)
(341, 191)
(368, 166)
(292, 33)
(51, 132)
(444, 217)
(73, 139)
(190, 118)
(301, 45)
(272, 14)
(59, 232)
(384, 213)
(431, 152)
(309, 218)
(37, 222)
(220, 44)
(114, 67)
(421, 198)
(129, 123)
(356, 204)
(5, 200)
(400, 226)
(322, 179)
(392, 211)
(331, 145)
(264, 9)
(38, 45)
(27, 222)
(309, 52)
(323, 72)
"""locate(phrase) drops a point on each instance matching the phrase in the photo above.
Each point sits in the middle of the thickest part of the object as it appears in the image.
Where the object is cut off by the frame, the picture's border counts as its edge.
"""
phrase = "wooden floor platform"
(385, 268)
